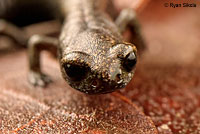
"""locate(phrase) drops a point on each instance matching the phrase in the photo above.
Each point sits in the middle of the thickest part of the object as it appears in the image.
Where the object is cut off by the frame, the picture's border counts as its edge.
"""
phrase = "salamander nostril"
(95, 83)
(75, 72)
(118, 78)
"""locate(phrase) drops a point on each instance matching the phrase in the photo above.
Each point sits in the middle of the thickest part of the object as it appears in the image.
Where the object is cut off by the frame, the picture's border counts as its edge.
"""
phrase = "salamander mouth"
(97, 86)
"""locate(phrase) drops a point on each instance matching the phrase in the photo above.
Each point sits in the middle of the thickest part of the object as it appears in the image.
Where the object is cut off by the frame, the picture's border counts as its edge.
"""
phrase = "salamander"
(92, 54)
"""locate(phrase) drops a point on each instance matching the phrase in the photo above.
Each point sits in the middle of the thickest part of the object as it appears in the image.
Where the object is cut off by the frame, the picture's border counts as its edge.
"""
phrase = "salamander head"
(100, 73)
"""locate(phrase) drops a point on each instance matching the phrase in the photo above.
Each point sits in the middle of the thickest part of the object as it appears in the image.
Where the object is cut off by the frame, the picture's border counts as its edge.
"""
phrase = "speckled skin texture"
(93, 56)
(166, 86)
(90, 38)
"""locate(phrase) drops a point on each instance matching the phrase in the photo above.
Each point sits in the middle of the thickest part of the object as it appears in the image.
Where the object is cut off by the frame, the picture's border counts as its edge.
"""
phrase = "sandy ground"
(164, 95)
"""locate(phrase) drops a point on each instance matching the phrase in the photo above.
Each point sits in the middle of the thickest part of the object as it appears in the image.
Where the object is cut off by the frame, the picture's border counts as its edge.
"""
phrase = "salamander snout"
(99, 74)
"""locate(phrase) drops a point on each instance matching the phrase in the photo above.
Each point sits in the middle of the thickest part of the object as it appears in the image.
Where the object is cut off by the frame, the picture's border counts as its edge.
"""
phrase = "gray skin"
(92, 54)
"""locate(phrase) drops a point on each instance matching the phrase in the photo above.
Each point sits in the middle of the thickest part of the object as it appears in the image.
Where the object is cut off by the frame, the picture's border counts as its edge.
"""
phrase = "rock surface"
(164, 95)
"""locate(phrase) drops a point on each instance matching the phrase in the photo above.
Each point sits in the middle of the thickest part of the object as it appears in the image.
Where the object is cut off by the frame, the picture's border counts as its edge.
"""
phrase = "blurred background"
(166, 86)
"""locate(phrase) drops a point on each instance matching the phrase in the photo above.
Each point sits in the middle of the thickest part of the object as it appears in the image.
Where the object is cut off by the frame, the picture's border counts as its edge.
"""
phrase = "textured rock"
(59, 108)
(164, 94)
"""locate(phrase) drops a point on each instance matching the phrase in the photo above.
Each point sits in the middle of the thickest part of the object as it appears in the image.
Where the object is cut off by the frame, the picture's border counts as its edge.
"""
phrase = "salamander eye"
(130, 61)
(75, 72)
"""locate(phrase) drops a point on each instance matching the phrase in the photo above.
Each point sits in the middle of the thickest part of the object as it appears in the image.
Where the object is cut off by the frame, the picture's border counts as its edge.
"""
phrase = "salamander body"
(92, 54)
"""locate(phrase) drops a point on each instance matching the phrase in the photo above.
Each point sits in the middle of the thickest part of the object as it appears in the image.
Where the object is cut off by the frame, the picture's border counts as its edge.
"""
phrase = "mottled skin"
(92, 53)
